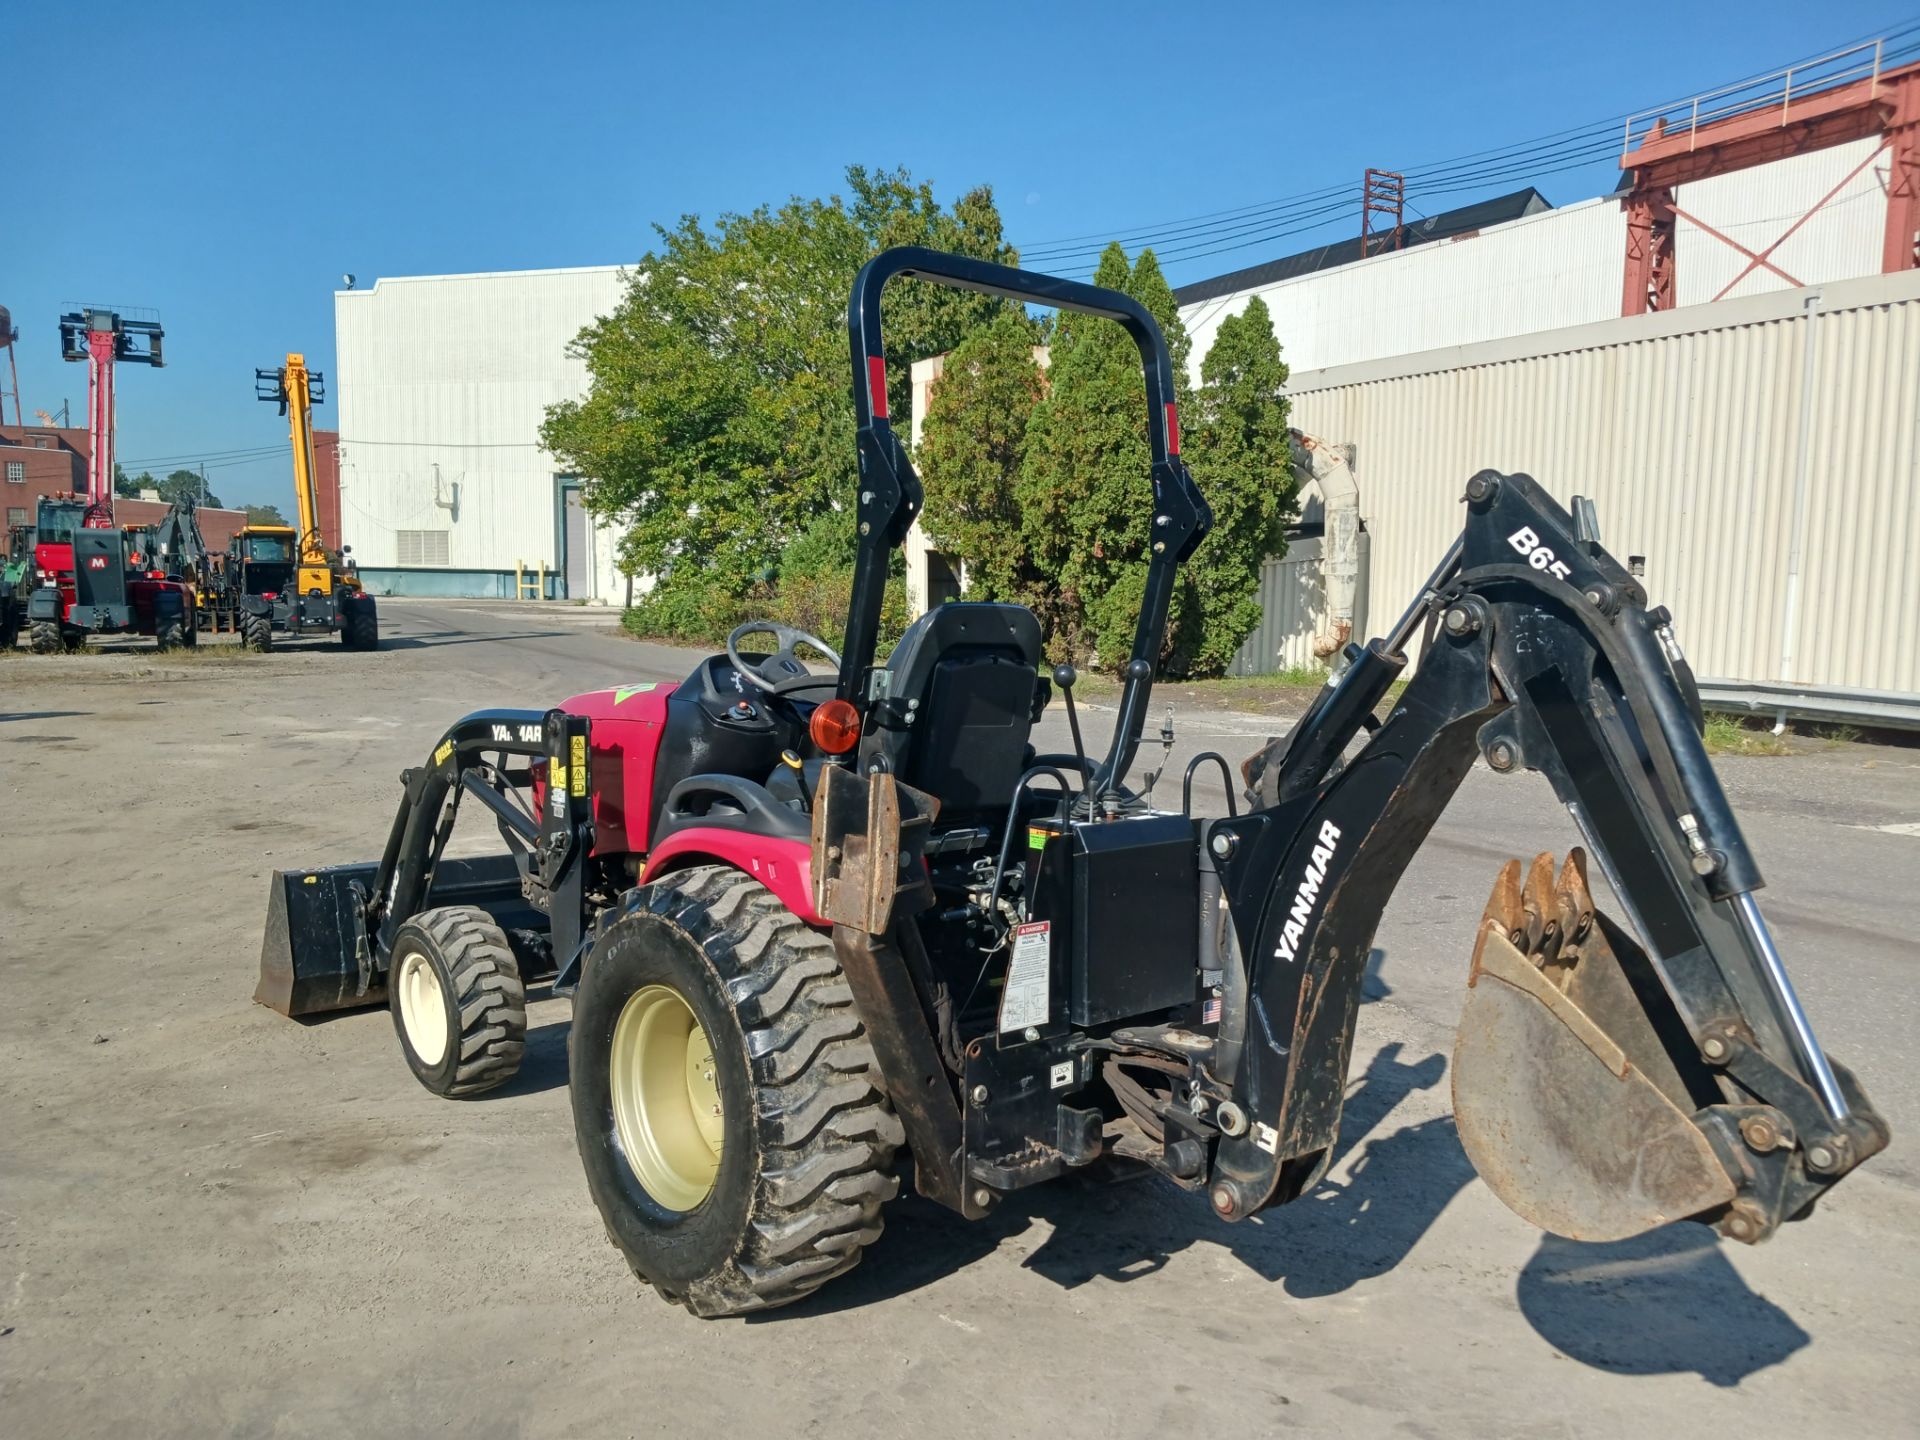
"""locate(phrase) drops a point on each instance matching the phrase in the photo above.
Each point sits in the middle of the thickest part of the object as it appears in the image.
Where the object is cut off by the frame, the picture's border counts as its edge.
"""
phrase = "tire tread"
(490, 998)
(825, 1130)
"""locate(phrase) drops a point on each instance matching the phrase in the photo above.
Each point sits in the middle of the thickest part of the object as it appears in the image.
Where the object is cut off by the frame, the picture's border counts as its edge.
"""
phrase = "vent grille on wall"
(421, 547)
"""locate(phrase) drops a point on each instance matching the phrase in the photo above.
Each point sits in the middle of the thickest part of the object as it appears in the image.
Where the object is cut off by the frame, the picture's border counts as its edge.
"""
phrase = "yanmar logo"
(1308, 895)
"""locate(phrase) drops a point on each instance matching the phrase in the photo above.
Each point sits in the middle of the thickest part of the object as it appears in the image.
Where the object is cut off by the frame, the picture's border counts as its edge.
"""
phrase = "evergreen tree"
(1086, 482)
(1241, 457)
(972, 442)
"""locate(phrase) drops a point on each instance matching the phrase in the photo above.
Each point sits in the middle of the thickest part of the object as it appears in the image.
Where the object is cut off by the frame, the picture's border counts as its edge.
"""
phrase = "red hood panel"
(626, 737)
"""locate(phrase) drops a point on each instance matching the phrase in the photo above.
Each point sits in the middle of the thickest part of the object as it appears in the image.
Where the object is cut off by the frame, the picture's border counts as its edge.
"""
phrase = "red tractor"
(809, 920)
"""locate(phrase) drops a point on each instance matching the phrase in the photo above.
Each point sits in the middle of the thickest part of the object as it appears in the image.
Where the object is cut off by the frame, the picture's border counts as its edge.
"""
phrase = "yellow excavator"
(281, 578)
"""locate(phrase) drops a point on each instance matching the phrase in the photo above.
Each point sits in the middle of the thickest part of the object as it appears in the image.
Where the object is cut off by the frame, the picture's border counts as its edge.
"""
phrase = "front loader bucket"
(308, 961)
(317, 957)
(1568, 1101)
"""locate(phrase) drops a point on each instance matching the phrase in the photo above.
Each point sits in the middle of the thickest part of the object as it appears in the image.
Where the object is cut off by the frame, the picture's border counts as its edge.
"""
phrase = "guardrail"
(1780, 89)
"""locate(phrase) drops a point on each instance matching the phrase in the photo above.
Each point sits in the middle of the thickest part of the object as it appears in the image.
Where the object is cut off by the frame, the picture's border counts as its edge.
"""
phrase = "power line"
(351, 440)
(1556, 152)
(193, 458)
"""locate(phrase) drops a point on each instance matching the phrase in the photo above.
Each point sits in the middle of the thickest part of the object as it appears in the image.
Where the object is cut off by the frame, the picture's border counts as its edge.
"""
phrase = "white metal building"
(442, 383)
(1555, 268)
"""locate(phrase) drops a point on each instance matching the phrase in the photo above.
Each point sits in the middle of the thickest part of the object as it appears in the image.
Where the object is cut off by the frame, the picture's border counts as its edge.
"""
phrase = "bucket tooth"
(1566, 1098)
(1537, 902)
(1503, 906)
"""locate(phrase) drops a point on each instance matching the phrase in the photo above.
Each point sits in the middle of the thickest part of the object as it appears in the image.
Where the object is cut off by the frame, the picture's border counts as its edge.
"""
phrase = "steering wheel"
(783, 671)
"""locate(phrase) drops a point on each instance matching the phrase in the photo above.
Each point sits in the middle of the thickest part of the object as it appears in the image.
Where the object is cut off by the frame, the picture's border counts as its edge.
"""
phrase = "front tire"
(360, 625)
(780, 1192)
(45, 638)
(256, 633)
(459, 1005)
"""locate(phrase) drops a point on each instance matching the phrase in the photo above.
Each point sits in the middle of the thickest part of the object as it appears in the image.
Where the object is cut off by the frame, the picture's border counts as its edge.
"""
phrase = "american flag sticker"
(1210, 1012)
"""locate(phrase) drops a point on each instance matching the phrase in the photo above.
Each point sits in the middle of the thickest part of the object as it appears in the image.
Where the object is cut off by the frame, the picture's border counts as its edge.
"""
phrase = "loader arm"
(330, 932)
(1682, 1080)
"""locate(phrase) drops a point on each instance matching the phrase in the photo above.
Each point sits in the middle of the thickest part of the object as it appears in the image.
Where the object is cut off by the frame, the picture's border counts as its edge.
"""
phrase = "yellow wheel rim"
(423, 1008)
(666, 1097)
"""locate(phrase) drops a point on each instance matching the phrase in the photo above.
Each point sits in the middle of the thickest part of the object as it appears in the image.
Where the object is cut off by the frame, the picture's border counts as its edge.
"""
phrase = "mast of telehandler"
(101, 337)
(296, 389)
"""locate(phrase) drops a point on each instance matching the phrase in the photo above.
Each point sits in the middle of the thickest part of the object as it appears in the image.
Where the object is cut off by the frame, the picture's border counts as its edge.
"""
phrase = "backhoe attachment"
(1607, 1078)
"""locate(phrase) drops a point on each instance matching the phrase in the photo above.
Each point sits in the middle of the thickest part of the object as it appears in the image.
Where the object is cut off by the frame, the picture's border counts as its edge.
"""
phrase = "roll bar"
(891, 497)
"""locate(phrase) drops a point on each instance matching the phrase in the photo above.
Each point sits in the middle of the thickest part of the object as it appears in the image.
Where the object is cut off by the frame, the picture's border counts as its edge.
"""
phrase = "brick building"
(38, 460)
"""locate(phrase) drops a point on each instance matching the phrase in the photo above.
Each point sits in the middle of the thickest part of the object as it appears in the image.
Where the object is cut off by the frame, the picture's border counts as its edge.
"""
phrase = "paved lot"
(217, 1221)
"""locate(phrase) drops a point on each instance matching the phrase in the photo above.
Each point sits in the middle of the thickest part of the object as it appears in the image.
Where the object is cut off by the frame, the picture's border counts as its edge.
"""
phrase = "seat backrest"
(961, 691)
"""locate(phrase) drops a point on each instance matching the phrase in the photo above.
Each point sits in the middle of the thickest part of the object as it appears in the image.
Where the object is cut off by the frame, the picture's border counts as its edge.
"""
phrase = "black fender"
(44, 604)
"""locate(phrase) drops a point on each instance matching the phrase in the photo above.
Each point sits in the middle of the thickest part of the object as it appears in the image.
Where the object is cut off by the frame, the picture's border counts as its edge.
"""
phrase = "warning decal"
(1023, 1001)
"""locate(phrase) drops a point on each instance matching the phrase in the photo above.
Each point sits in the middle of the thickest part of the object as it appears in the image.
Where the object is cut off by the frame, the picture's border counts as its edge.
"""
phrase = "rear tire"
(45, 638)
(458, 1003)
(800, 1159)
(171, 634)
(256, 633)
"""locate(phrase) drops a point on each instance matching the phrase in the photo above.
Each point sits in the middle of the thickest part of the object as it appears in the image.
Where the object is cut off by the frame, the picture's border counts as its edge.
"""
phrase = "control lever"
(1066, 677)
(1166, 752)
(799, 767)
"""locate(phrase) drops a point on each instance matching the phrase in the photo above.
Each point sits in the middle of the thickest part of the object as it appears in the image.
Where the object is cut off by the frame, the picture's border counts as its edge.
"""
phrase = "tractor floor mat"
(1568, 1101)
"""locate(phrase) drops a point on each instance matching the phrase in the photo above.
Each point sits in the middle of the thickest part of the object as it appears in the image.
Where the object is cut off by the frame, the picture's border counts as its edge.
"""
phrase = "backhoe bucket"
(309, 961)
(1568, 1101)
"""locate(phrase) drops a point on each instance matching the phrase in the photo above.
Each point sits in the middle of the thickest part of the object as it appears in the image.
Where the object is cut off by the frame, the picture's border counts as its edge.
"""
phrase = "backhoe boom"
(1543, 657)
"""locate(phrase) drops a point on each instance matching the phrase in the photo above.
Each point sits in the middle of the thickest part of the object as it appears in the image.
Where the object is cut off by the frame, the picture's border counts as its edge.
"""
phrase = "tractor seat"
(963, 692)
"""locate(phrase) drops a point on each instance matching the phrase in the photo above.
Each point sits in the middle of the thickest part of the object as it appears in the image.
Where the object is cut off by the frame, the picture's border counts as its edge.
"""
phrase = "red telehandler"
(810, 920)
(90, 577)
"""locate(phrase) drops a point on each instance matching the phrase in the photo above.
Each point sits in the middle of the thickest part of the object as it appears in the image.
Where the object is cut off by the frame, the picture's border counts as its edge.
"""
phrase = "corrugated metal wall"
(1686, 428)
(445, 380)
(1293, 611)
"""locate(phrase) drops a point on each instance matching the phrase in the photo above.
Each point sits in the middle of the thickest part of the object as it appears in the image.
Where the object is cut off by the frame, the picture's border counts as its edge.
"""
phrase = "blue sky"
(226, 164)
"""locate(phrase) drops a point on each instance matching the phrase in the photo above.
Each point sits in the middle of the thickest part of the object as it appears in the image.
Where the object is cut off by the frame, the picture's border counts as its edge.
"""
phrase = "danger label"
(1023, 1001)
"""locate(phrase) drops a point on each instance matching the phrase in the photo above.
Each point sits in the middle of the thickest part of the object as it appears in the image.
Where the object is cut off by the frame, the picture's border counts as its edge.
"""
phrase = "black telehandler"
(810, 919)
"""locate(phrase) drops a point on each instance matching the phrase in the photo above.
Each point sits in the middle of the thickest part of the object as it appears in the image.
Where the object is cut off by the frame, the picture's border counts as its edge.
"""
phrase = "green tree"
(185, 484)
(1241, 456)
(972, 441)
(265, 515)
(716, 427)
(1084, 486)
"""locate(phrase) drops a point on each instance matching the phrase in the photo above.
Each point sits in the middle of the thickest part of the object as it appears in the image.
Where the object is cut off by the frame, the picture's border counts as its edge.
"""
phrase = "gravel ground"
(215, 1221)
